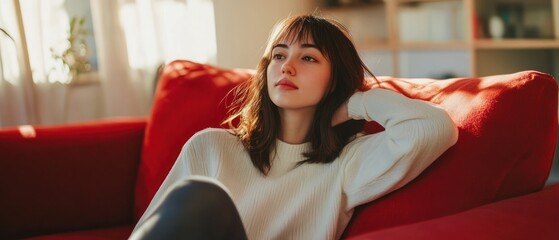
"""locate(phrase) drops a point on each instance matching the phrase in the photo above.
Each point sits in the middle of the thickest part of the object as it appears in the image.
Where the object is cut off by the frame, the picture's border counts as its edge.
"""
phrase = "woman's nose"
(287, 68)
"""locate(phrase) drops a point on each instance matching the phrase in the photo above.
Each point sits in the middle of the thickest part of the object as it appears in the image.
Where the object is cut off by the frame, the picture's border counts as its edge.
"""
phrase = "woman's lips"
(285, 84)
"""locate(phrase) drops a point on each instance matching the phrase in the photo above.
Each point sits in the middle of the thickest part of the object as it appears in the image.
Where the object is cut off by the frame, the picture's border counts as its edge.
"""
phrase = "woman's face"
(298, 75)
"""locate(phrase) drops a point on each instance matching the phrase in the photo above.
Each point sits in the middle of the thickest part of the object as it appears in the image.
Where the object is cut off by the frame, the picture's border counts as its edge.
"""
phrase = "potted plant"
(73, 59)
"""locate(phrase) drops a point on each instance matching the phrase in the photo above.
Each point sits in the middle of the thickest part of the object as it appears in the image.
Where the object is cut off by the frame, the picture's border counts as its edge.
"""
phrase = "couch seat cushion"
(532, 216)
(115, 233)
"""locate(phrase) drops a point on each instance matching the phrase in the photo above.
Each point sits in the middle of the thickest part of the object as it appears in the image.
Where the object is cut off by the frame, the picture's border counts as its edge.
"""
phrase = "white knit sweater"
(316, 201)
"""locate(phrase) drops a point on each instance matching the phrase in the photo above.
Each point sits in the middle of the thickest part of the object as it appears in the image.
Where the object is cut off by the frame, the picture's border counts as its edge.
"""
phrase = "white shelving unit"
(442, 38)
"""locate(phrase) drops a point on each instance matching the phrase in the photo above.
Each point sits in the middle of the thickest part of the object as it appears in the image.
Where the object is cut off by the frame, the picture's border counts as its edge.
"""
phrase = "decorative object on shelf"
(496, 27)
(512, 15)
(73, 59)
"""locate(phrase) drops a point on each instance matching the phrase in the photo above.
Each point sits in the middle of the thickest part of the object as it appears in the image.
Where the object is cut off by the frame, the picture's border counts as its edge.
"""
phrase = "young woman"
(295, 166)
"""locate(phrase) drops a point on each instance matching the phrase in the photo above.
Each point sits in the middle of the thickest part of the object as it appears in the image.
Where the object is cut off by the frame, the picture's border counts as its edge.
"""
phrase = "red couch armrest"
(70, 177)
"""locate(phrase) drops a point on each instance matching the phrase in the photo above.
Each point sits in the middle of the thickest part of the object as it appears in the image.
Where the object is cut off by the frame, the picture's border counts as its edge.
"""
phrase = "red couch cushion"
(533, 216)
(507, 123)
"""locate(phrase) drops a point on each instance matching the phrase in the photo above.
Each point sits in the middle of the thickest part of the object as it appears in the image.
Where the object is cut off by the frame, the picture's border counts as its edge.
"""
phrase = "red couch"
(93, 180)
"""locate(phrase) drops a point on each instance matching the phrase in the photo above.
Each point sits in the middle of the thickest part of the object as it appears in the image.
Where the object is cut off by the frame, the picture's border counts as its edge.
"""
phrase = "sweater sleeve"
(416, 133)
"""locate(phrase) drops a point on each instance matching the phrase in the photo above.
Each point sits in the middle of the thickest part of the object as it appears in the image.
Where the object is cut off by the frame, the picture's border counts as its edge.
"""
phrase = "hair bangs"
(303, 30)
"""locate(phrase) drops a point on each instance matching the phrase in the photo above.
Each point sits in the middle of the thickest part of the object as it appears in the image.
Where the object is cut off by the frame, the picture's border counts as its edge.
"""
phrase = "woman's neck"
(295, 125)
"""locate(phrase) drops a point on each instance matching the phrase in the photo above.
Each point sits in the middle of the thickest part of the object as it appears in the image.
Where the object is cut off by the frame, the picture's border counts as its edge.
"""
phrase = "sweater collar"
(285, 156)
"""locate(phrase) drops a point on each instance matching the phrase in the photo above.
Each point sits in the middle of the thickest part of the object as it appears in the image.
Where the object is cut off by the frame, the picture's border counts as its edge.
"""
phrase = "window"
(53, 57)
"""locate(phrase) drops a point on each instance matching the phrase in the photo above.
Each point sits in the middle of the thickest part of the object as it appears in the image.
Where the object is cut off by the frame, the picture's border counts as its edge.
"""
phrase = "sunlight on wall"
(188, 33)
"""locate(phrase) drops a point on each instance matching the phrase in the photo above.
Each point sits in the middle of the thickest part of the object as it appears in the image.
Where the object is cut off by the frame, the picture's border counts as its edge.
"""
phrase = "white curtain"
(132, 39)
(16, 88)
(12, 94)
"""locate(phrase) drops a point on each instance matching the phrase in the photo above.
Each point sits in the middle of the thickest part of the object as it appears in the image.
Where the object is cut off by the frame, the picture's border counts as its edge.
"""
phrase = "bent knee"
(199, 187)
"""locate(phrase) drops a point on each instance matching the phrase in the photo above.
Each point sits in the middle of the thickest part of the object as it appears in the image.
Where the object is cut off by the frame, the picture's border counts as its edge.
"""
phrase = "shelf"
(516, 43)
(433, 45)
(373, 45)
(413, 45)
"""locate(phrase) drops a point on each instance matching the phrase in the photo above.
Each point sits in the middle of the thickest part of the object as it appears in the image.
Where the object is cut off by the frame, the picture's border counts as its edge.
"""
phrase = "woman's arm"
(416, 133)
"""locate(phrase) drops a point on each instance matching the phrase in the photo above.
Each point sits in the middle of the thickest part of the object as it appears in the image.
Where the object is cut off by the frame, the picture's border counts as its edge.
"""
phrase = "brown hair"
(258, 116)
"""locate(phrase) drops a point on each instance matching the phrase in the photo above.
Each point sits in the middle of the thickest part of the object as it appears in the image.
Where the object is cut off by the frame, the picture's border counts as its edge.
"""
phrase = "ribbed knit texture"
(316, 201)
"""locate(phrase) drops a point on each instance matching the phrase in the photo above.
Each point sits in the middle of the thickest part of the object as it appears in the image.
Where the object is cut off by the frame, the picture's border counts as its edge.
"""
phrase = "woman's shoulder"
(212, 136)
(203, 153)
(214, 131)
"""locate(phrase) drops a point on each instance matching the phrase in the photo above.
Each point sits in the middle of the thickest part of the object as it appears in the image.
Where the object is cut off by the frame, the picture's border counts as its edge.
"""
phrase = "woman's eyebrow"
(281, 45)
(304, 45)
(309, 45)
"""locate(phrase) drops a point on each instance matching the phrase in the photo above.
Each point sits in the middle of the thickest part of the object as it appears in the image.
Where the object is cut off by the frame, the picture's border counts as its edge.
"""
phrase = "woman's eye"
(277, 56)
(310, 59)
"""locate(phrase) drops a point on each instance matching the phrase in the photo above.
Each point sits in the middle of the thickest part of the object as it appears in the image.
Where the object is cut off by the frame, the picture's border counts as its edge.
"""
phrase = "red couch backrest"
(507, 124)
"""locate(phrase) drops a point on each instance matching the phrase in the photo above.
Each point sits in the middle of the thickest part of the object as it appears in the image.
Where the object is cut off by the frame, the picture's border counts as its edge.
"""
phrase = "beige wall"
(242, 27)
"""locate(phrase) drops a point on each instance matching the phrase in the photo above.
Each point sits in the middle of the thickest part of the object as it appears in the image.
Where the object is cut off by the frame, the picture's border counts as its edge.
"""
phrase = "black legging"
(193, 209)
